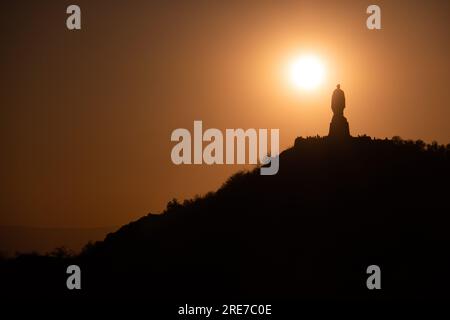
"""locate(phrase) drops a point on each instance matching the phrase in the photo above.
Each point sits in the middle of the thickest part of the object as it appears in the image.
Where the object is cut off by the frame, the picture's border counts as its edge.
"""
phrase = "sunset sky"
(86, 116)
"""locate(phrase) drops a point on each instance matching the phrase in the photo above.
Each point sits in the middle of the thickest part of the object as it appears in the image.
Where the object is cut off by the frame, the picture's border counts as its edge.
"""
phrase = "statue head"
(338, 86)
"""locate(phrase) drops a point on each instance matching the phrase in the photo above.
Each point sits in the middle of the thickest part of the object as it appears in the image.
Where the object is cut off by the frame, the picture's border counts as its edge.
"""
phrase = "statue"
(339, 127)
(338, 101)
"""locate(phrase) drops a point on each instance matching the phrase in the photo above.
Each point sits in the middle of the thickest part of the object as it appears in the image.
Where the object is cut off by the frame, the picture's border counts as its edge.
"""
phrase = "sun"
(306, 72)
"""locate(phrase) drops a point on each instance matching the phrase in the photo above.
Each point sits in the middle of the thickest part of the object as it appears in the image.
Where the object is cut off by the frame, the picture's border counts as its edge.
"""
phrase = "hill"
(24, 239)
(333, 209)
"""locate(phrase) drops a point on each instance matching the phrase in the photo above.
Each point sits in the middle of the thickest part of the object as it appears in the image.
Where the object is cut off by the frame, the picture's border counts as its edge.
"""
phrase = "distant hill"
(22, 239)
(310, 231)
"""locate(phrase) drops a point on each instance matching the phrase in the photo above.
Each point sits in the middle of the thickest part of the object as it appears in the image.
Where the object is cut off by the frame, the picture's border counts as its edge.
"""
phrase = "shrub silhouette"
(310, 231)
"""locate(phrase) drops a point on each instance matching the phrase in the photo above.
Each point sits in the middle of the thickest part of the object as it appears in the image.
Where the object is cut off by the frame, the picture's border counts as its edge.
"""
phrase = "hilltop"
(310, 231)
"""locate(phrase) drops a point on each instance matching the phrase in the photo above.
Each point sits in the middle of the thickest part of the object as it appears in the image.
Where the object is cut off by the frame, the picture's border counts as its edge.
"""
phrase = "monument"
(339, 127)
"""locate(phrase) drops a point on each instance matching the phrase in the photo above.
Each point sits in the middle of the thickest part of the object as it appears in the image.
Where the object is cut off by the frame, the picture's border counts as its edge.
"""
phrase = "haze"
(86, 116)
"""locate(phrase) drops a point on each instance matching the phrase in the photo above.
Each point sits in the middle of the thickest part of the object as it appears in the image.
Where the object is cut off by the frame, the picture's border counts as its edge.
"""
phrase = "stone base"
(339, 127)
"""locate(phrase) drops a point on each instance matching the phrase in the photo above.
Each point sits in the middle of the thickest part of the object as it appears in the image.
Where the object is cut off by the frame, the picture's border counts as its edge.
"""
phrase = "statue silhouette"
(338, 101)
(339, 127)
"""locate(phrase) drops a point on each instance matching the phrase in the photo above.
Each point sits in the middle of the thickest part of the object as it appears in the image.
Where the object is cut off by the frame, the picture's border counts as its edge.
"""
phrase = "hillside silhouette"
(333, 209)
(41, 240)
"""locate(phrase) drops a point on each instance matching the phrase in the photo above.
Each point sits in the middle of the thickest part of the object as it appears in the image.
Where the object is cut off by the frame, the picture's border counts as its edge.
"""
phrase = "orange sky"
(86, 116)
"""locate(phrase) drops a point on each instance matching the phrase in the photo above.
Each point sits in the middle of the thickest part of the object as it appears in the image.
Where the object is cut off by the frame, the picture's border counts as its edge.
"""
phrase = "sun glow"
(306, 72)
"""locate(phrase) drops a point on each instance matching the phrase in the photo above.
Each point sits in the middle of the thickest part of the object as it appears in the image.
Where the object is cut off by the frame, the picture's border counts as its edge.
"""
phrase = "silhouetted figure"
(339, 127)
(338, 101)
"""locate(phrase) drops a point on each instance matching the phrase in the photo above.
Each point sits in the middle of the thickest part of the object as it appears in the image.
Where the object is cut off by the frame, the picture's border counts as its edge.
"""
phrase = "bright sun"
(306, 72)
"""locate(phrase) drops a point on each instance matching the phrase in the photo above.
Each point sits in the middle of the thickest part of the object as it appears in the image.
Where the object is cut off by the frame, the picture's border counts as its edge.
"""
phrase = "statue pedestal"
(339, 127)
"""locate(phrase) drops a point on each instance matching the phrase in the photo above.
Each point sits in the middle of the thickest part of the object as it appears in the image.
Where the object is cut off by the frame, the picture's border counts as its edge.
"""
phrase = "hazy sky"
(86, 116)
